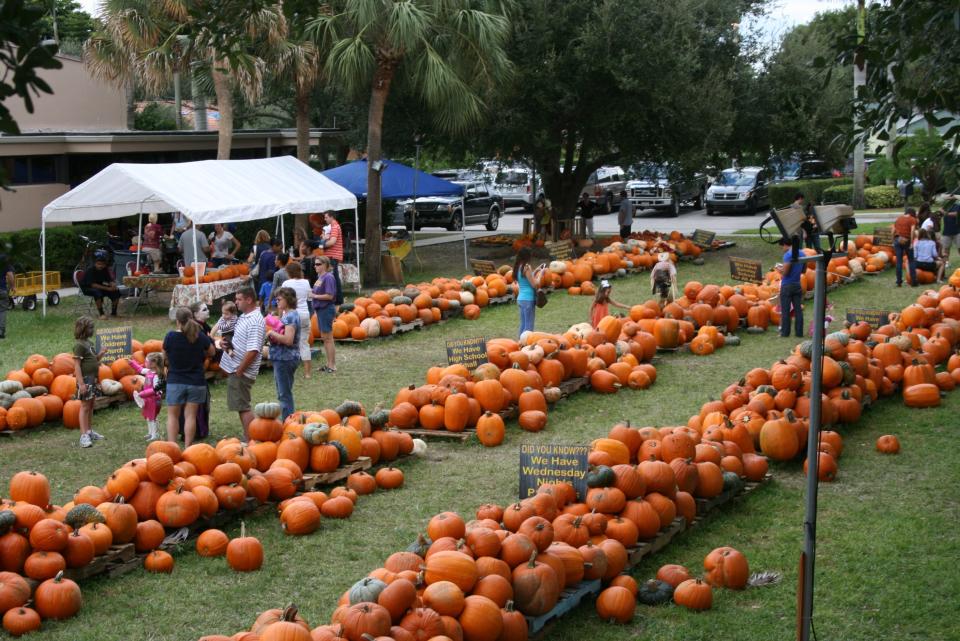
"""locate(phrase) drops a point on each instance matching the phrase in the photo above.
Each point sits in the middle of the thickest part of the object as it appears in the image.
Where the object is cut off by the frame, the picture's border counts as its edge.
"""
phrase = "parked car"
(806, 170)
(481, 205)
(739, 190)
(657, 187)
(515, 185)
(604, 187)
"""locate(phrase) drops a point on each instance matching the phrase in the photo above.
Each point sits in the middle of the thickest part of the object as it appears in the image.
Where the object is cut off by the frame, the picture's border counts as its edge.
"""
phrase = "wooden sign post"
(482, 267)
(874, 317)
(118, 342)
(560, 250)
(746, 269)
(883, 236)
(469, 352)
(703, 238)
(553, 463)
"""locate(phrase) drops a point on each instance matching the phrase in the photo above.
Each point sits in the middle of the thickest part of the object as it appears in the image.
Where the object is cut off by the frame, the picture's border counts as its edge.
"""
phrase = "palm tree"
(152, 41)
(448, 52)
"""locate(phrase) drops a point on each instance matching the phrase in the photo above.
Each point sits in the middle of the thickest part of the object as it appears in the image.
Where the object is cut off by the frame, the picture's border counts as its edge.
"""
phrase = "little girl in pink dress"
(148, 399)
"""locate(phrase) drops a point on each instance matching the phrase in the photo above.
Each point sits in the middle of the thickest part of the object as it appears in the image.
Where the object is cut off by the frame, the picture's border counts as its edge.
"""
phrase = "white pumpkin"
(466, 298)
(371, 327)
(419, 447)
(580, 330)
(558, 266)
(110, 387)
(534, 353)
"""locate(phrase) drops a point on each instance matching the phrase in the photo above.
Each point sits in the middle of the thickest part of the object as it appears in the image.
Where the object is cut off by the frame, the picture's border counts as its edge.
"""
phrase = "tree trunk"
(199, 104)
(302, 102)
(378, 100)
(131, 105)
(177, 99)
(221, 85)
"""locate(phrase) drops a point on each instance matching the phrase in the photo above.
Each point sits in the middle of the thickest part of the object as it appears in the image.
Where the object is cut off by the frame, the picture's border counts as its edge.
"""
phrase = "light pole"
(859, 80)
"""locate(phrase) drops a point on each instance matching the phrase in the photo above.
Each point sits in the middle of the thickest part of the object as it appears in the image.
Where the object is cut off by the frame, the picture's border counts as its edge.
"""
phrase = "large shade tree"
(617, 81)
(450, 53)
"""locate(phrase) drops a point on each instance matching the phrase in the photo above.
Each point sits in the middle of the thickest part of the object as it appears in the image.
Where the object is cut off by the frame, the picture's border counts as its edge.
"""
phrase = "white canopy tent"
(207, 191)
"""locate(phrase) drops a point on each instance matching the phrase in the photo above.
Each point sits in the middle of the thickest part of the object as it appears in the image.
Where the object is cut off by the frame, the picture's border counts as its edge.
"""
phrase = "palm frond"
(352, 63)
(407, 25)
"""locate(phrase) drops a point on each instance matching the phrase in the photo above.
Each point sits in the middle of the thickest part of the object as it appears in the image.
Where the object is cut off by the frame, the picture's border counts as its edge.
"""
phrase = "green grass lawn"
(887, 530)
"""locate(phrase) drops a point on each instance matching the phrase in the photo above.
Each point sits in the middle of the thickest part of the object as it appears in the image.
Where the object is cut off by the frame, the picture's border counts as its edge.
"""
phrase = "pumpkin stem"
(533, 560)
(243, 529)
(59, 577)
(509, 606)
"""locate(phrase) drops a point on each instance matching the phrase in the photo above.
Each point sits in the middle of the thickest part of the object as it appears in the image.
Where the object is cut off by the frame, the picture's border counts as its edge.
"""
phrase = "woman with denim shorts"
(185, 349)
(323, 296)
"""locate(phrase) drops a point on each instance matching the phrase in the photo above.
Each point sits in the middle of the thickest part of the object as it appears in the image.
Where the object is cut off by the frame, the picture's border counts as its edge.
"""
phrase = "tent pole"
(463, 229)
(356, 240)
(43, 262)
(139, 235)
(196, 272)
(283, 238)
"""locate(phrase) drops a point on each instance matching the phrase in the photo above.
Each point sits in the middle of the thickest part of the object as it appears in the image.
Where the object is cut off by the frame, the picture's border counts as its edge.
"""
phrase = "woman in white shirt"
(301, 286)
(225, 245)
(927, 255)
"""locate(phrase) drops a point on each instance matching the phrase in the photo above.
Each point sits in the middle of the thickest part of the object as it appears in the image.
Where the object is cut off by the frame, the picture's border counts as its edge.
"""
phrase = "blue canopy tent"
(397, 181)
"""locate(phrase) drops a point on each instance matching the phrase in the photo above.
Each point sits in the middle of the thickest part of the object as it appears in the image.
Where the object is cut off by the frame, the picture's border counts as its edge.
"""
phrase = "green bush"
(781, 194)
(838, 194)
(882, 197)
(64, 247)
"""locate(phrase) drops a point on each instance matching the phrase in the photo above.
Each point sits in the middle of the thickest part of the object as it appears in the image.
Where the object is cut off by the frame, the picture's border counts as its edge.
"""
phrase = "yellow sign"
(118, 341)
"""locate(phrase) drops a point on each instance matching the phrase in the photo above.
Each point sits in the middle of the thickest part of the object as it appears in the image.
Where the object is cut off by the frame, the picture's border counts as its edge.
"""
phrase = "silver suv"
(604, 187)
(515, 185)
(658, 187)
(739, 190)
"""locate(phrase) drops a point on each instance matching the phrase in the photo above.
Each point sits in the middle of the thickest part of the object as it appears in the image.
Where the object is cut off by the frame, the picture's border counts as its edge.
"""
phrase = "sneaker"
(96, 436)
(85, 440)
(138, 400)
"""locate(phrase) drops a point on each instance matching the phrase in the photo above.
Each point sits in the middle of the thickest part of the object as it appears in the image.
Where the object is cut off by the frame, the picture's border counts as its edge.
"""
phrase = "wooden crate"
(442, 435)
(313, 481)
(657, 543)
(573, 385)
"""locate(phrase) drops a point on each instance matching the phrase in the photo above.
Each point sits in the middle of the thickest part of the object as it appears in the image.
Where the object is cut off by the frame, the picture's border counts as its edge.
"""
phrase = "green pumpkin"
(7, 521)
(420, 546)
(731, 340)
(402, 300)
(83, 514)
(732, 482)
(468, 286)
(346, 307)
(36, 390)
(601, 476)
(366, 590)
(316, 433)
(654, 592)
(379, 418)
(10, 387)
(806, 349)
(344, 455)
(841, 337)
(6, 401)
(767, 389)
(348, 408)
(267, 410)
(454, 304)
(21, 394)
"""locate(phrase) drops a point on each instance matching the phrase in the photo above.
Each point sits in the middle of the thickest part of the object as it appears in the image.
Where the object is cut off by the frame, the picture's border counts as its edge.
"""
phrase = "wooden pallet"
(706, 505)
(103, 402)
(645, 548)
(501, 300)
(573, 385)
(106, 563)
(313, 481)
(725, 245)
(401, 328)
(442, 435)
(570, 598)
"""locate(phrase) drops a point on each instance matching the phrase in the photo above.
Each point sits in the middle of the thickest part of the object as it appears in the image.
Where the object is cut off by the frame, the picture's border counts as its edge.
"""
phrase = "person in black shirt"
(811, 232)
(585, 208)
(6, 284)
(98, 282)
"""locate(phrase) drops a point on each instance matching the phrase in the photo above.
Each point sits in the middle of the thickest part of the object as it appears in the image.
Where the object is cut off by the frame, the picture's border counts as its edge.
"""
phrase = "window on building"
(34, 170)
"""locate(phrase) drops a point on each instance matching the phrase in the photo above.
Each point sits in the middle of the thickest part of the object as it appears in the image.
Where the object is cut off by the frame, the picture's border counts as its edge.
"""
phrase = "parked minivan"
(604, 187)
(739, 190)
(515, 185)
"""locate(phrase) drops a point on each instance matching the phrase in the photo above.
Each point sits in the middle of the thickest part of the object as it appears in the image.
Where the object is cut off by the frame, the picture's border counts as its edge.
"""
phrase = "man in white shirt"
(242, 363)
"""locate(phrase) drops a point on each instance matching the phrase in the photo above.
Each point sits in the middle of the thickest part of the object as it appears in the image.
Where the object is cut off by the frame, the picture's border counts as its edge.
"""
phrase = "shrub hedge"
(877, 197)
(781, 194)
(64, 247)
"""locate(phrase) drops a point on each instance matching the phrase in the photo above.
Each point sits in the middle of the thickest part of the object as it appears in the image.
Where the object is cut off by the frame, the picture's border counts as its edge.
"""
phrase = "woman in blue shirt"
(527, 296)
(791, 291)
(284, 348)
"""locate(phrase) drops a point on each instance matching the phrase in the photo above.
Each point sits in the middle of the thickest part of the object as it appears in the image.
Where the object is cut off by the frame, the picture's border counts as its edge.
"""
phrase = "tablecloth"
(185, 295)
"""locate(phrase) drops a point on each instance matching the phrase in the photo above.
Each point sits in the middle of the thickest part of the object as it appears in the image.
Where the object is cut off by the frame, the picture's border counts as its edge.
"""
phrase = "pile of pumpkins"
(44, 390)
(378, 314)
(189, 277)
(525, 375)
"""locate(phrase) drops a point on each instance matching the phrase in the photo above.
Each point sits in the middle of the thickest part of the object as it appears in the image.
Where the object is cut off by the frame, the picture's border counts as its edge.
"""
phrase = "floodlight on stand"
(835, 219)
(789, 221)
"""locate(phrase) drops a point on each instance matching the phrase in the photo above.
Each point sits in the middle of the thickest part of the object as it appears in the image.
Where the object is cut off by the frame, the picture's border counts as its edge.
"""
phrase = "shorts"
(153, 253)
(947, 241)
(927, 267)
(178, 394)
(93, 389)
(325, 318)
(238, 393)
